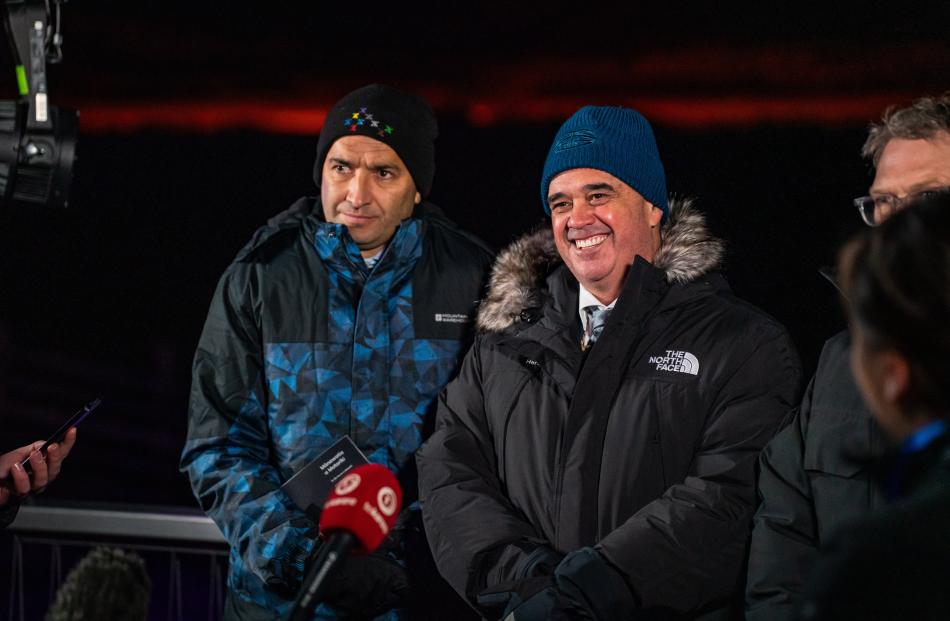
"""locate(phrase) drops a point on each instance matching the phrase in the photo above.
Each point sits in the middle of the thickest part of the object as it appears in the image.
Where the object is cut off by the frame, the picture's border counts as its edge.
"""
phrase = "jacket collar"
(339, 252)
(687, 252)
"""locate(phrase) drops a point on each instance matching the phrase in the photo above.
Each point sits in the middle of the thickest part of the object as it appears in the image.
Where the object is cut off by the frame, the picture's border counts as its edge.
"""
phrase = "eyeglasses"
(876, 209)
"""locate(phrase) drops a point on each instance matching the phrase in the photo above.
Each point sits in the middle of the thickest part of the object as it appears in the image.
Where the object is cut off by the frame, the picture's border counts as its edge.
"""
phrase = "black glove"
(501, 599)
(584, 586)
(531, 576)
(542, 561)
(367, 586)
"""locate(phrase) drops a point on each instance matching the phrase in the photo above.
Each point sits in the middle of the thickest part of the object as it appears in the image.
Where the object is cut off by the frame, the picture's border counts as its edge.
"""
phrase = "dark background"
(198, 123)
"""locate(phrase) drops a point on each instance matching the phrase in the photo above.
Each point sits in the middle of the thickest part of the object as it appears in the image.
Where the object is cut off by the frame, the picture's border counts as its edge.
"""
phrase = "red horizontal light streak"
(201, 117)
(682, 111)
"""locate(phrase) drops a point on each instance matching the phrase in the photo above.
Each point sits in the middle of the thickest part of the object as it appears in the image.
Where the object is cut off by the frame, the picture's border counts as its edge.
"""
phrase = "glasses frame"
(866, 204)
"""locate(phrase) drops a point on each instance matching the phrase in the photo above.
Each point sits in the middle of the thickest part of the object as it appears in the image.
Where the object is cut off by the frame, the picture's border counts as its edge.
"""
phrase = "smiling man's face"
(600, 225)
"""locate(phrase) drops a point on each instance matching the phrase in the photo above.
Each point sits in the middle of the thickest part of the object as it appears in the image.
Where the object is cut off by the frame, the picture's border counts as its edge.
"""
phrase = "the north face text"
(679, 361)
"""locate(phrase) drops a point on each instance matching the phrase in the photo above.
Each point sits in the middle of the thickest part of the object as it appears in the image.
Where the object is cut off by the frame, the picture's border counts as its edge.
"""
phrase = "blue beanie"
(612, 139)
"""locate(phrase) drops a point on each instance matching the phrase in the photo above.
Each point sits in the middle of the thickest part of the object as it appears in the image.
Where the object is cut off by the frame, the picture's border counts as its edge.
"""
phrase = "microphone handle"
(330, 555)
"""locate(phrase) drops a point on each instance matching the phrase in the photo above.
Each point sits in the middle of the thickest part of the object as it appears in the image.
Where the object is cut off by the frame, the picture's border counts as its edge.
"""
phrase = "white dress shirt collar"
(585, 299)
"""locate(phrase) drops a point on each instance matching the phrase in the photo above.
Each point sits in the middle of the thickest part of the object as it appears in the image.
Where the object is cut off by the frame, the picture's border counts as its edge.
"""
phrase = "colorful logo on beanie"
(574, 139)
(367, 122)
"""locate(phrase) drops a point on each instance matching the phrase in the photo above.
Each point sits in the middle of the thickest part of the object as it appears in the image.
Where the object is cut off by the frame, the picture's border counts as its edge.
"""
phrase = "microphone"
(356, 518)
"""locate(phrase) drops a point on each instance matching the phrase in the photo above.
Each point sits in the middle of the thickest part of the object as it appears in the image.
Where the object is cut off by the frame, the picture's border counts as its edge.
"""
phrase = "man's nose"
(357, 191)
(582, 214)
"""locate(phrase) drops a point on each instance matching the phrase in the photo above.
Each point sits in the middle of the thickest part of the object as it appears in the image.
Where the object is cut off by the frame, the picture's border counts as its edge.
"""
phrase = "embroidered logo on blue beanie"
(616, 140)
(574, 139)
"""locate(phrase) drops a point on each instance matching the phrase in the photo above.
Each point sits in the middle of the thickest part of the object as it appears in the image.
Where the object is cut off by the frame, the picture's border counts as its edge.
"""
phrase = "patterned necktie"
(596, 318)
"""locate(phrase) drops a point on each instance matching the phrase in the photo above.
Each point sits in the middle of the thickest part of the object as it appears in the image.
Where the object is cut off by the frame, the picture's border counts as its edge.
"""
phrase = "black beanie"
(399, 120)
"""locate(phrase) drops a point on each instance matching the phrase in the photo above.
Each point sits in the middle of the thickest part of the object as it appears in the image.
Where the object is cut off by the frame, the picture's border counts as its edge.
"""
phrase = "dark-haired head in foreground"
(108, 584)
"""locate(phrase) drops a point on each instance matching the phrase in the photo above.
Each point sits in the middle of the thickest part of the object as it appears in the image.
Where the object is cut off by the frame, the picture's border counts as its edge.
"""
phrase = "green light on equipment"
(21, 80)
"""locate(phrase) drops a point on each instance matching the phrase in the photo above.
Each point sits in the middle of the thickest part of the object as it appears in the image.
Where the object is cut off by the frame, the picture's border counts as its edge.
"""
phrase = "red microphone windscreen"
(364, 503)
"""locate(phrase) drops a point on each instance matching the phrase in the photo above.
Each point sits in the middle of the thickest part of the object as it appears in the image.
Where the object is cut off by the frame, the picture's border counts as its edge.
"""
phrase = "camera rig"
(37, 140)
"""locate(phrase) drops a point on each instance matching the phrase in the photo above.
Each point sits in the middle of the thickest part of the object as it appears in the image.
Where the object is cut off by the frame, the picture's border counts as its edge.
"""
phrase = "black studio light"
(37, 140)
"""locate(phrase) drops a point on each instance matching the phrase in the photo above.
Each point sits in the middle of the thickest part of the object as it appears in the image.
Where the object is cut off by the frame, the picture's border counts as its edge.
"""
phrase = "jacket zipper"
(559, 468)
(504, 437)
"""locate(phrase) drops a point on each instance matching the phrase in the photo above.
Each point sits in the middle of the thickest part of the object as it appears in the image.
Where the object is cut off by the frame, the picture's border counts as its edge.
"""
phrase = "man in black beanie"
(344, 316)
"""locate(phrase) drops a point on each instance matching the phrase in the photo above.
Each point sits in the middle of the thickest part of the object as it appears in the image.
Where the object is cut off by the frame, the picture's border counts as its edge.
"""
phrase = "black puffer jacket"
(644, 447)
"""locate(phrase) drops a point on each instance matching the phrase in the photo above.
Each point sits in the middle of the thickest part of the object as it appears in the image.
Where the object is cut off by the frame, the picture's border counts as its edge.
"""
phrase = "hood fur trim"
(687, 251)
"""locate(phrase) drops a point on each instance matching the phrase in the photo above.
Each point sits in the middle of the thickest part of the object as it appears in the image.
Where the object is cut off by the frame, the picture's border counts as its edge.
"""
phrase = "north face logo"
(576, 138)
(679, 361)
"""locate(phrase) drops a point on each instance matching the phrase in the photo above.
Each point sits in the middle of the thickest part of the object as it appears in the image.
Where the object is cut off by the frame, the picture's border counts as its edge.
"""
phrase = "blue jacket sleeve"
(227, 455)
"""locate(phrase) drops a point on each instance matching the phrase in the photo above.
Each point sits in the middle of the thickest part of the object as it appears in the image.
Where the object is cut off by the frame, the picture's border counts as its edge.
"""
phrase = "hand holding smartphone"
(59, 434)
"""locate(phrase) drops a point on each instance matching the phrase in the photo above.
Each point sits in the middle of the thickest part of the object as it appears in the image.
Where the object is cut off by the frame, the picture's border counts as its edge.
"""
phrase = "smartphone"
(60, 433)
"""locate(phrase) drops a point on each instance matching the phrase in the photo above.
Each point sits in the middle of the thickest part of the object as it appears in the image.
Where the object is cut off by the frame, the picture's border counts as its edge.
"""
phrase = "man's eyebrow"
(384, 165)
(926, 184)
(555, 197)
(339, 160)
(591, 187)
(913, 188)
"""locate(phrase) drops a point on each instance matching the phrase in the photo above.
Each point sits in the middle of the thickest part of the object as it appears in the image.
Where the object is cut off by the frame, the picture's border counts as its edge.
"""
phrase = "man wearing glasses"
(812, 476)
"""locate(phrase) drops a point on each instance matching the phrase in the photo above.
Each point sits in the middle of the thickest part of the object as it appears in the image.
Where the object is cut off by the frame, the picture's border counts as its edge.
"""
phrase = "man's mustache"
(348, 207)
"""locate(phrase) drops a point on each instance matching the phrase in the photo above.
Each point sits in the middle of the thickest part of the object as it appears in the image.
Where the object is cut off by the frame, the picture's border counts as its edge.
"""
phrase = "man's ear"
(417, 199)
(654, 215)
(894, 374)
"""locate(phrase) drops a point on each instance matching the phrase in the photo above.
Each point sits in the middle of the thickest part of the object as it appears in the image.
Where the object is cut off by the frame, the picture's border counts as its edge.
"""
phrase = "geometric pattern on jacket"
(304, 344)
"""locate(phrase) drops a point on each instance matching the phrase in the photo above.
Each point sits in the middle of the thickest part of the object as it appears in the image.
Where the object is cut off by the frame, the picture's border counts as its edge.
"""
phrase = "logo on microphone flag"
(387, 501)
(348, 484)
(364, 503)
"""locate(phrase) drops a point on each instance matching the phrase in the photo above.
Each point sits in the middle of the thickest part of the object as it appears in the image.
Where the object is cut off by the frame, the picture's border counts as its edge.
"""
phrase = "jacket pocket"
(837, 443)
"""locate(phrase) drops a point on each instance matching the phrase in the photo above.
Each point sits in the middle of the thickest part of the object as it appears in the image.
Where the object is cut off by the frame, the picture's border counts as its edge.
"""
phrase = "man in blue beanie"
(595, 456)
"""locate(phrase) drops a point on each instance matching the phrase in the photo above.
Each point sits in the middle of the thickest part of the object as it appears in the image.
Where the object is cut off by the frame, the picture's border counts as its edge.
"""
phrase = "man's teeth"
(590, 241)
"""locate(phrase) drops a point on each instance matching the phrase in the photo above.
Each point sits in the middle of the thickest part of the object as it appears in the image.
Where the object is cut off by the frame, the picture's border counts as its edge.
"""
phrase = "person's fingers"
(16, 455)
(68, 441)
(54, 461)
(21, 480)
(40, 470)
(5, 495)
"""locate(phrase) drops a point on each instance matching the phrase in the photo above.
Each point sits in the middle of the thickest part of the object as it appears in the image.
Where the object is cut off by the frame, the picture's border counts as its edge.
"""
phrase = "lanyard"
(918, 441)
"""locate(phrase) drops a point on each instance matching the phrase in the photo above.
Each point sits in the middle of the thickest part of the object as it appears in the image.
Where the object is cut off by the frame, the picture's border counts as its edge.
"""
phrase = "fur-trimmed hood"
(687, 251)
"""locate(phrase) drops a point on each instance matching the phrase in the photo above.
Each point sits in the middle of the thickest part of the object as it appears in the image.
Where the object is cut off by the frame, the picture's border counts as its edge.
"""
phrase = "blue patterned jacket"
(302, 345)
